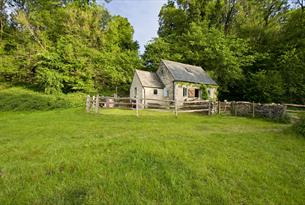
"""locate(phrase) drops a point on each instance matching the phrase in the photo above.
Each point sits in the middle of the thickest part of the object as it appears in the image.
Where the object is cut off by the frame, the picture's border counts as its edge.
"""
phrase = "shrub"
(285, 118)
(299, 127)
(204, 92)
(20, 99)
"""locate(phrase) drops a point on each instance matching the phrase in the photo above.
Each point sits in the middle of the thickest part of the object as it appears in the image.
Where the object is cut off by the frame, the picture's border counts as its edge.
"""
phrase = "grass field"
(71, 157)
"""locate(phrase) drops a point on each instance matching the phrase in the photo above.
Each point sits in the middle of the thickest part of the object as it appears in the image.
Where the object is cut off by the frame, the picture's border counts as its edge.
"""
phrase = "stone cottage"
(172, 81)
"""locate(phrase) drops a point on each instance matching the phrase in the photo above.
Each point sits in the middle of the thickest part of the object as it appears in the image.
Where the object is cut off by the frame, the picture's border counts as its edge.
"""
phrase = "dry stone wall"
(271, 111)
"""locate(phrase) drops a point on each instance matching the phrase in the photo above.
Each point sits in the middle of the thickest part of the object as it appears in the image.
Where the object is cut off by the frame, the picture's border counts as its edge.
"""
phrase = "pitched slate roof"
(188, 73)
(149, 79)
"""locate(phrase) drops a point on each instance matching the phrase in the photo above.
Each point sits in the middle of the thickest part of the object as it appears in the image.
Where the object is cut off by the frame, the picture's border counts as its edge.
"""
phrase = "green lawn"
(71, 157)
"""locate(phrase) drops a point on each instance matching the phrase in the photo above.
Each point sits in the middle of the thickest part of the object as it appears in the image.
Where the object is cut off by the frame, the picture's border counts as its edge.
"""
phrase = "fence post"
(253, 109)
(235, 110)
(97, 103)
(88, 103)
(225, 106)
(115, 101)
(218, 107)
(137, 107)
(285, 110)
(144, 100)
(93, 102)
(209, 108)
(176, 108)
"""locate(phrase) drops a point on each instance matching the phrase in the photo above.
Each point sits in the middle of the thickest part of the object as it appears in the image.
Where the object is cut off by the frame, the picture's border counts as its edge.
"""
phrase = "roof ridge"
(183, 63)
(171, 73)
(188, 73)
(145, 71)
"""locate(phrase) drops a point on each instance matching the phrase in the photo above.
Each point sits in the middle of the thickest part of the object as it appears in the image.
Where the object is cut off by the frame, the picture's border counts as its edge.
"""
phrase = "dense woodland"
(66, 46)
(254, 49)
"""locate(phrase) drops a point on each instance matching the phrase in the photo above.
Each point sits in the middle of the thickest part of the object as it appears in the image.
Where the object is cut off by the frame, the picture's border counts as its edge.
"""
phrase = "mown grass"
(71, 157)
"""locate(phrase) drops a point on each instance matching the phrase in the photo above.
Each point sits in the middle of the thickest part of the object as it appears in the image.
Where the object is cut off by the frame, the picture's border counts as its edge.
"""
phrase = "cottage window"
(209, 92)
(191, 92)
(165, 92)
(135, 92)
(184, 92)
(155, 91)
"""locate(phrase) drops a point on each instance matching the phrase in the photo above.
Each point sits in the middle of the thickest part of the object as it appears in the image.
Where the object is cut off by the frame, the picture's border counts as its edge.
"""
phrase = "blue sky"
(142, 14)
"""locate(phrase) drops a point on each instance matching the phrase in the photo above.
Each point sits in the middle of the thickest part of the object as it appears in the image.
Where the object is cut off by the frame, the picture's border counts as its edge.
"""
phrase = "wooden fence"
(95, 103)
(295, 108)
(239, 108)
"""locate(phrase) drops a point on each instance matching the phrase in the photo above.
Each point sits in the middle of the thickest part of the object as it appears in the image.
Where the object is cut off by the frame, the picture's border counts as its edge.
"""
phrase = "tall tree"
(243, 44)
(68, 46)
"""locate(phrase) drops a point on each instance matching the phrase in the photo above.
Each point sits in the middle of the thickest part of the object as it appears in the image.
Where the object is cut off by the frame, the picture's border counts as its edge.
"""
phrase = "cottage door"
(196, 93)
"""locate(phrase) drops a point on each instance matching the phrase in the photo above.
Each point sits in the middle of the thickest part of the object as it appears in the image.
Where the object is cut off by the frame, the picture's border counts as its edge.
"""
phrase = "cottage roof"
(188, 73)
(149, 79)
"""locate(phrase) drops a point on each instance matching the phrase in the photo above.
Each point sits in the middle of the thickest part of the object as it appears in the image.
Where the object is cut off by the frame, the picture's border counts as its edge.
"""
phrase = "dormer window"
(188, 70)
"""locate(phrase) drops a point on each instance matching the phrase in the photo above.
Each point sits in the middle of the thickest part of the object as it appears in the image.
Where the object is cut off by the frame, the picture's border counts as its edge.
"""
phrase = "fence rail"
(95, 103)
(239, 108)
(295, 108)
(295, 105)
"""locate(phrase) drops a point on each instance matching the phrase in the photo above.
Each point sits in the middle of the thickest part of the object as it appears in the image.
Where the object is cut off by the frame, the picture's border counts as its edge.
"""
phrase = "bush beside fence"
(299, 127)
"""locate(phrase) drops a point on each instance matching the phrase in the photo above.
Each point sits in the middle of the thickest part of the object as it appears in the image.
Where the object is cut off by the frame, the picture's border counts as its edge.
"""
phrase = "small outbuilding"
(172, 81)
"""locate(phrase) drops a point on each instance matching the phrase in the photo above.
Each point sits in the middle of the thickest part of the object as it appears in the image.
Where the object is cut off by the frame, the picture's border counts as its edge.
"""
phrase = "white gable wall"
(149, 93)
(145, 92)
(136, 84)
(153, 98)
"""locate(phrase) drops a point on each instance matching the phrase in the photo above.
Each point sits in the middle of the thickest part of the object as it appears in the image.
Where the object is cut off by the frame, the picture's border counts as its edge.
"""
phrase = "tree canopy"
(66, 46)
(253, 49)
